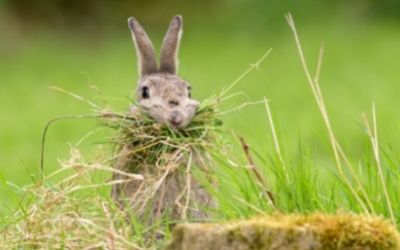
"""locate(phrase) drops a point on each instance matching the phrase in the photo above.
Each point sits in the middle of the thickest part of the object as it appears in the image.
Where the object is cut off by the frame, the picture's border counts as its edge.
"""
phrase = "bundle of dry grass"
(151, 141)
(165, 157)
(289, 232)
(67, 211)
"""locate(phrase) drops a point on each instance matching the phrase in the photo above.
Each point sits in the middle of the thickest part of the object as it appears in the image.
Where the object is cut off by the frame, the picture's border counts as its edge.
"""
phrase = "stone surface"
(289, 232)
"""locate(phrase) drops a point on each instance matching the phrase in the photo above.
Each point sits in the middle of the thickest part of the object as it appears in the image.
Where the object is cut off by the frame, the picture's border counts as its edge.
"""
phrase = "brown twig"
(253, 167)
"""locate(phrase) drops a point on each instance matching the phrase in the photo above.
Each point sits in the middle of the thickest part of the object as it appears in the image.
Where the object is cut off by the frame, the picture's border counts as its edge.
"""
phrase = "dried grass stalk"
(69, 213)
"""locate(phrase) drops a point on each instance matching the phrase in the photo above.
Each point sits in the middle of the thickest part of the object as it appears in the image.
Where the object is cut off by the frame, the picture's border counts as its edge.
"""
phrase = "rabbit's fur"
(163, 94)
(166, 98)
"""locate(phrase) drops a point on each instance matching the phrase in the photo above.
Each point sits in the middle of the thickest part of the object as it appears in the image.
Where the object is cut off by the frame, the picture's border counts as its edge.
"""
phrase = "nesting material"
(289, 232)
(166, 158)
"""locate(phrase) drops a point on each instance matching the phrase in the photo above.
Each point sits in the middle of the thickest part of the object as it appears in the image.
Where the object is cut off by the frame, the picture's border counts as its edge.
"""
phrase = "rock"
(289, 232)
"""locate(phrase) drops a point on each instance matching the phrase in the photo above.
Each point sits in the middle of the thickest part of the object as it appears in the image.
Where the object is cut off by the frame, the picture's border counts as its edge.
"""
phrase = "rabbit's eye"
(189, 91)
(145, 92)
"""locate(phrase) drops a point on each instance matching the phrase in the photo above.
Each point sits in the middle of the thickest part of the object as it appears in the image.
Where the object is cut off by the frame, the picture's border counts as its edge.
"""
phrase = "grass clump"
(166, 158)
(69, 213)
(149, 141)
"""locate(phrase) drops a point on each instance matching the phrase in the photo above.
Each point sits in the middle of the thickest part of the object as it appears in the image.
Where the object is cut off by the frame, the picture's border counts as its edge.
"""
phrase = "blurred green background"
(75, 44)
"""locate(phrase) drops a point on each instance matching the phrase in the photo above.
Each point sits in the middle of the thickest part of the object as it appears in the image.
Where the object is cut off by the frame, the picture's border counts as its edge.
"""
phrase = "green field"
(360, 67)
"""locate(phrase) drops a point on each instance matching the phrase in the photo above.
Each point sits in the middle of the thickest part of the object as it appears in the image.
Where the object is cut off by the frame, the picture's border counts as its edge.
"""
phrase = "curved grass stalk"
(314, 85)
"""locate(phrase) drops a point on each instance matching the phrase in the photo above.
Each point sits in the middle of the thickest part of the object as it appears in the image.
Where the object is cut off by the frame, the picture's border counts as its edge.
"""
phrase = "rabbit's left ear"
(144, 48)
(170, 46)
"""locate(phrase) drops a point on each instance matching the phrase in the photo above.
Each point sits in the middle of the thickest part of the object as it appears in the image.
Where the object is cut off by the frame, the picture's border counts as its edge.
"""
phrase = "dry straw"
(167, 159)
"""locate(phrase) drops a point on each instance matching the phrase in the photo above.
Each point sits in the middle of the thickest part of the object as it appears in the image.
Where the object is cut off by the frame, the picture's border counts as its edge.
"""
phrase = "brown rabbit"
(167, 99)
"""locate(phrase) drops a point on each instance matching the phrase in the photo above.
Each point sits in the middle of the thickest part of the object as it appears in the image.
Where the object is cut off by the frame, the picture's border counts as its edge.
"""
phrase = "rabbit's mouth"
(176, 119)
(175, 124)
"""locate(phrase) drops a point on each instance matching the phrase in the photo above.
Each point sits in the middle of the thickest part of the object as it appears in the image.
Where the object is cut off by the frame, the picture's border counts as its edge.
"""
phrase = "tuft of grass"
(166, 158)
(150, 141)
(69, 213)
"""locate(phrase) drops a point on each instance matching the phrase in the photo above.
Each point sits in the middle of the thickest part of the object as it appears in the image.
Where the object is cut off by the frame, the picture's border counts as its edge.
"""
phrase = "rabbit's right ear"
(144, 48)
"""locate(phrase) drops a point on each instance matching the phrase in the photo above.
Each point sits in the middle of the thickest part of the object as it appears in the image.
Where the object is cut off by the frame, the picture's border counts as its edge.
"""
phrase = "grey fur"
(169, 100)
(144, 48)
(170, 46)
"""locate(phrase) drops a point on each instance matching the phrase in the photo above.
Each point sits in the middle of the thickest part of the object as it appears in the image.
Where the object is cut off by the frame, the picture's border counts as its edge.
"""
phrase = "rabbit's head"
(161, 93)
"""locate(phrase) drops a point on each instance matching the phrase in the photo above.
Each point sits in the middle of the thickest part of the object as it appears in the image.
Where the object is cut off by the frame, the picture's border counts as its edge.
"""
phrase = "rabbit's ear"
(170, 46)
(144, 48)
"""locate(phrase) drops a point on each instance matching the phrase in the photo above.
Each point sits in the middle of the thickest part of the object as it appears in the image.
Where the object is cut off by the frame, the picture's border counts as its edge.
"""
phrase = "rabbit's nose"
(176, 119)
(173, 103)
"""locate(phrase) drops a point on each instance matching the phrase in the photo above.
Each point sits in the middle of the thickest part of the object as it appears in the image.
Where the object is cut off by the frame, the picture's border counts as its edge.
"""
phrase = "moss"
(315, 231)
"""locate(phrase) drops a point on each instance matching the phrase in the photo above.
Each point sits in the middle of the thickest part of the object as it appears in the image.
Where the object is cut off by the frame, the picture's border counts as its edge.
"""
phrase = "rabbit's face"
(161, 93)
(167, 99)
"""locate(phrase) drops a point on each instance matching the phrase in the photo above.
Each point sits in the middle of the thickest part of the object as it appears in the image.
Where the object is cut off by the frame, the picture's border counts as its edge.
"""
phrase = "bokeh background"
(78, 44)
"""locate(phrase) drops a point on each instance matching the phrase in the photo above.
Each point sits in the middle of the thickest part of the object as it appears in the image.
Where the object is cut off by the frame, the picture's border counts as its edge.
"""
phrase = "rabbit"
(161, 93)
(166, 98)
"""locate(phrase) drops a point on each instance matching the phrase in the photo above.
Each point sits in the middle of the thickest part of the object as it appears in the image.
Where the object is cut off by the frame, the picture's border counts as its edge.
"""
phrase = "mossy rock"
(290, 232)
